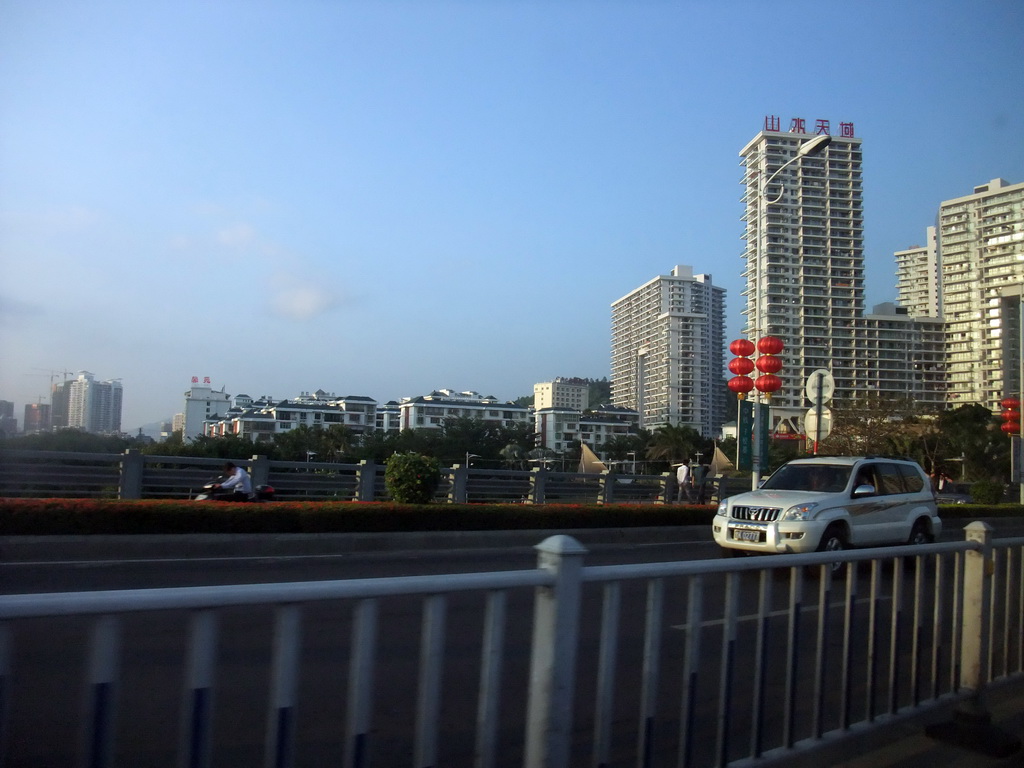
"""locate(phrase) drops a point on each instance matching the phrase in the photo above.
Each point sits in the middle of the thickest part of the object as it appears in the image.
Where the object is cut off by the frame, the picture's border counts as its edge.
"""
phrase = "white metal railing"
(771, 669)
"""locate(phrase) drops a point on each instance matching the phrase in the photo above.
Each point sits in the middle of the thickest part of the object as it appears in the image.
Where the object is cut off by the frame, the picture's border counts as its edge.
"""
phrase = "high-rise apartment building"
(668, 342)
(917, 278)
(805, 253)
(981, 258)
(8, 423)
(902, 357)
(37, 418)
(86, 404)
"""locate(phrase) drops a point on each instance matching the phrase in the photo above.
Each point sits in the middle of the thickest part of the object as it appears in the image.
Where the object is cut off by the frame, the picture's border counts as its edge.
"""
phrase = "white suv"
(826, 504)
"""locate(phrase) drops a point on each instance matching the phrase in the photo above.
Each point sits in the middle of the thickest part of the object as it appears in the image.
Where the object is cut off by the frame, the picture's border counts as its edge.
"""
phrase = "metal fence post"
(538, 479)
(974, 643)
(259, 470)
(972, 723)
(606, 488)
(130, 485)
(553, 658)
(666, 488)
(366, 480)
(457, 493)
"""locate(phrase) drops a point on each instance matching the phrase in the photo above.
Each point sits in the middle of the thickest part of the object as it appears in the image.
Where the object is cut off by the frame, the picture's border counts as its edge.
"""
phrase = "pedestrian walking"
(684, 488)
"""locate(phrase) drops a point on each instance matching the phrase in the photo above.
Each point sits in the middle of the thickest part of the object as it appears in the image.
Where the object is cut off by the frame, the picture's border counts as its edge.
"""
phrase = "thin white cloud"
(238, 236)
(301, 303)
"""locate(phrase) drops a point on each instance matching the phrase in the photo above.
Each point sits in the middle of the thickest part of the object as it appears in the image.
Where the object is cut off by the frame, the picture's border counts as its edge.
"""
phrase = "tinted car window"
(912, 479)
(890, 479)
(822, 478)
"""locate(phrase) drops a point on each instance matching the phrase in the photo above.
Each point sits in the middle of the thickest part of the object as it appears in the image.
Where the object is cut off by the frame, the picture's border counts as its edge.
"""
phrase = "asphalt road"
(49, 655)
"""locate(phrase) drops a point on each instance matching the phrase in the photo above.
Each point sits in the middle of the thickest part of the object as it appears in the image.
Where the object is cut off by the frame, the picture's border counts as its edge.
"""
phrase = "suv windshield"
(818, 478)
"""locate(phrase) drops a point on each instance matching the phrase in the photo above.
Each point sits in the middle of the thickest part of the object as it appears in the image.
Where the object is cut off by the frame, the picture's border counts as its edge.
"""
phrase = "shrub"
(412, 478)
(987, 492)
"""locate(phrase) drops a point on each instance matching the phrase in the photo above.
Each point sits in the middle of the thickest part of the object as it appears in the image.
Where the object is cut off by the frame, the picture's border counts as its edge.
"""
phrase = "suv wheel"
(832, 540)
(920, 534)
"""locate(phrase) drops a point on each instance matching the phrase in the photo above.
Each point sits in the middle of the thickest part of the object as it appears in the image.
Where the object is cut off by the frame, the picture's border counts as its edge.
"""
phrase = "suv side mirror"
(864, 490)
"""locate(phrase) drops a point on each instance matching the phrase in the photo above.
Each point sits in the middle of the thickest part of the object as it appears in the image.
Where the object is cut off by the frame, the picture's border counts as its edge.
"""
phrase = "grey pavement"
(907, 745)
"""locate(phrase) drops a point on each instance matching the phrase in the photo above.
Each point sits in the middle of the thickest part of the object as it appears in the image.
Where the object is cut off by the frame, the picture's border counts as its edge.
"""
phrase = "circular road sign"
(820, 386)
(811, 424)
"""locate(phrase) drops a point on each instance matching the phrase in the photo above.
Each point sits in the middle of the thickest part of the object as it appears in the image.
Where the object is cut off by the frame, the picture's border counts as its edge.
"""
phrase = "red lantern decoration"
(741, 366)
(770, 345)
(769, 364)
(1011, 416)
(741, 384)
(768, 383)
(742, 348)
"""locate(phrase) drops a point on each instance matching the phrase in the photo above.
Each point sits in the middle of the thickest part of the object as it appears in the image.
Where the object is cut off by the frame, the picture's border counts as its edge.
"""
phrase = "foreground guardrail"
(699, 663)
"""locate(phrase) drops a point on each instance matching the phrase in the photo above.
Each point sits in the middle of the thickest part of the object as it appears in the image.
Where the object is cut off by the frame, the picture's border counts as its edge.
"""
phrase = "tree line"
(964, 443)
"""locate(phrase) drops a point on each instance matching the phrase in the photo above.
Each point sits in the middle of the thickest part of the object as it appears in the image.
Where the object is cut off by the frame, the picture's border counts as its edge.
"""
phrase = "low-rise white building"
(262, 420)
(562, 393)
(559, 428)
(431, 411)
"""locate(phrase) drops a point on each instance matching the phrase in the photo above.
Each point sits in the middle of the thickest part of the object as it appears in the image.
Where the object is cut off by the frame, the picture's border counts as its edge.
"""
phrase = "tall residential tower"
(668, 342)
(981, 258)
(805, 252)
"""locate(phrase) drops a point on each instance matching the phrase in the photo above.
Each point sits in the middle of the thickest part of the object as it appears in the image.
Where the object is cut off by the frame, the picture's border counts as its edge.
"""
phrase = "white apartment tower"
(805, 253)
(981, 258)
(668, 342)
(94, 406)
(917, 278)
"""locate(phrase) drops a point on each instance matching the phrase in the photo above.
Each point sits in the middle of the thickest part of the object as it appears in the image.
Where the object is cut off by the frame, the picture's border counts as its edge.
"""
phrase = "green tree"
(674, 443)
(412, 478)
(971, 437)
(69, 440)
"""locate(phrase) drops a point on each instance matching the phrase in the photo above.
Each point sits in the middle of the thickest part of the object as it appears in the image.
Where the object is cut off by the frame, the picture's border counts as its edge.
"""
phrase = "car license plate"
(755, 536)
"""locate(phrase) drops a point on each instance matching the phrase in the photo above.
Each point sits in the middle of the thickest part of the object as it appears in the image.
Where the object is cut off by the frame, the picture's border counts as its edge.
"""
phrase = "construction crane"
(53, 375)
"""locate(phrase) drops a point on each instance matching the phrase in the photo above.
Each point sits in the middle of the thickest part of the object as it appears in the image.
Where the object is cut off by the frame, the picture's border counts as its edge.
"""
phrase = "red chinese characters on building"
(799, 125)
(195, 379)
(206, 379)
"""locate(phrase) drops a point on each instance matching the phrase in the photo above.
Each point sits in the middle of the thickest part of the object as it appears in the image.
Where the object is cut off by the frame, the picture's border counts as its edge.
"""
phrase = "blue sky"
(384, 198)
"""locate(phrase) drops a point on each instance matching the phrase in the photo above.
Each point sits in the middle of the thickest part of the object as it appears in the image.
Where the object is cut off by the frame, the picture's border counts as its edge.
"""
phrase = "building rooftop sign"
(799, 125)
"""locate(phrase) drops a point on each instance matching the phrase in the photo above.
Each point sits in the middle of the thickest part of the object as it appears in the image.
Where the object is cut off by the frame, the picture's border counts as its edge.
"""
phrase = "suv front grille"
(756, 514)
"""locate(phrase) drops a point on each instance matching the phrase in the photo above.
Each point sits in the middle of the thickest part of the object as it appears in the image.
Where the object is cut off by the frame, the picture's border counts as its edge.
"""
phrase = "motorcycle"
(213, 492)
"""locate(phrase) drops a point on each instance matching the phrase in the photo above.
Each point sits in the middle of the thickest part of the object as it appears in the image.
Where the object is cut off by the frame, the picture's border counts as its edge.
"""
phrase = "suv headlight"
(723, 508)
(800, 512)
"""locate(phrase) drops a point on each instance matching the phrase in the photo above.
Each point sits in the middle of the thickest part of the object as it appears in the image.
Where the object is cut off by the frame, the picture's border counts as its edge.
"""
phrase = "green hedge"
(40, 517)
(34, 517)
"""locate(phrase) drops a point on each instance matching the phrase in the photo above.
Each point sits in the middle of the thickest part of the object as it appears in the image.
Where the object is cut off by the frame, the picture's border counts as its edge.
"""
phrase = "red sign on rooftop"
(799, 125)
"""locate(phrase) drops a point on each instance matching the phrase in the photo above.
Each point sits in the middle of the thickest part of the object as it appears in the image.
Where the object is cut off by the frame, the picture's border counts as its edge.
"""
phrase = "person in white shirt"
(238, 483)
(683, 487)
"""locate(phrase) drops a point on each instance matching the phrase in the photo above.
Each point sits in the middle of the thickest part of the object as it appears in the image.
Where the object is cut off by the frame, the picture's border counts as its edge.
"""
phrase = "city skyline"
(386, 200)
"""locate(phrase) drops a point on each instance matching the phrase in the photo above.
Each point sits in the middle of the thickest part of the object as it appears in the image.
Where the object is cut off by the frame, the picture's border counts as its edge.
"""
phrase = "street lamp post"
(759, 326)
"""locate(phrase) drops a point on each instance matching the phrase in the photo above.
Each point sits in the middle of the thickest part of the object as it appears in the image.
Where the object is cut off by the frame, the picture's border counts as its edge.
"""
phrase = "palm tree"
(673, 443)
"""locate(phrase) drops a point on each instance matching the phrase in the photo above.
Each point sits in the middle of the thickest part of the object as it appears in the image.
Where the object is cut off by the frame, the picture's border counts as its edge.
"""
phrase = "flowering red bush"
(24, 517)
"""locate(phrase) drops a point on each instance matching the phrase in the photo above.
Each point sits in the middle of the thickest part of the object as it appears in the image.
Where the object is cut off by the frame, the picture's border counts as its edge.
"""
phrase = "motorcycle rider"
(238, 483)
